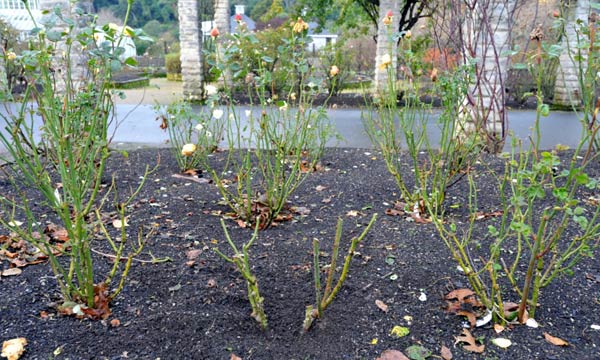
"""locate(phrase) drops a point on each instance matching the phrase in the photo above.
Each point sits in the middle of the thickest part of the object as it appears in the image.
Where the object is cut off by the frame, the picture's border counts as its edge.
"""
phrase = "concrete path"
(138, 127)
(136, 124)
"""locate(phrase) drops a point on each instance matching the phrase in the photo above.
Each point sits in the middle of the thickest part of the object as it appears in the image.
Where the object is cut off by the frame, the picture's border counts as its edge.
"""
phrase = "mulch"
(194, 305)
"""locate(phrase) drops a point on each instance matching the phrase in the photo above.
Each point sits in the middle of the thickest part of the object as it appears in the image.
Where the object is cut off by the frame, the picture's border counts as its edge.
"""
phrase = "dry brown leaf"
(498, 328)
(193, 254)
(235, 357)
(13, 348)
(466, 337)
(445, 353)
(555, 340)
(392, 355)
(320, 188)
(394, 212)
(462, 299)
(469, 315)
(115, 322)
(301, 210)
(381, 305)
(199, 180)
(191, 172)
(352, 213)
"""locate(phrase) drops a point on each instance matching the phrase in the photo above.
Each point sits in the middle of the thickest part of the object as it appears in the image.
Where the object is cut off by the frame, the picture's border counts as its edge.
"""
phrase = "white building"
(320, 39)
(15, 13)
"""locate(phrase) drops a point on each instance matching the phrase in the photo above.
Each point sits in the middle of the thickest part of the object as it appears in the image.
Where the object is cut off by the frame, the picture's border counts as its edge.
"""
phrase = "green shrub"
(173, 64)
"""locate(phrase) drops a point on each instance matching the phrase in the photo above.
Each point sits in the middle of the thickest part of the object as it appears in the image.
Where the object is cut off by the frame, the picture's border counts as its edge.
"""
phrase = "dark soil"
(197, 308)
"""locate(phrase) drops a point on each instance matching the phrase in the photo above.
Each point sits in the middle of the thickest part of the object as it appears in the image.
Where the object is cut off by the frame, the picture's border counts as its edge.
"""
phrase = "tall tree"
(359, 13)
(190, 38)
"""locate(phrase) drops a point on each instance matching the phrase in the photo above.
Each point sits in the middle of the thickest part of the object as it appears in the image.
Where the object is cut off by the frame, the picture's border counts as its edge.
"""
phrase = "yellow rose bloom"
(188, 149)
(299, 26)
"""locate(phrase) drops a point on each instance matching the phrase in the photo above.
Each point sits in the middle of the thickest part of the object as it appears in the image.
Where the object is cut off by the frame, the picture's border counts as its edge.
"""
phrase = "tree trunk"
(190, 38)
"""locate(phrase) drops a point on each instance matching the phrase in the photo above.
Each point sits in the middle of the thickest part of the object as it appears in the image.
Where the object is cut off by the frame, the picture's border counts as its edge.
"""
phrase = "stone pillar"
(386, 43)
(222, 23)
(566, 88)
(3, 76)
(486, 31)
(190, 37)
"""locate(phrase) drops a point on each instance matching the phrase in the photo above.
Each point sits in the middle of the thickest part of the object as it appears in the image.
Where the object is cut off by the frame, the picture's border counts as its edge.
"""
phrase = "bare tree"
(480, 31)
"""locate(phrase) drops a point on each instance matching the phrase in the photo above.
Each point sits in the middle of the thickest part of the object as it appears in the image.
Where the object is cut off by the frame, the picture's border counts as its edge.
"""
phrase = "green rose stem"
(323, 300)
(242, 263)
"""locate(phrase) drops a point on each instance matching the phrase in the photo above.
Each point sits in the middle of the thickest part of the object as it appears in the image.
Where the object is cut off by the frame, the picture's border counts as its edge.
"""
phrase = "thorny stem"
(324, 301)
(242, 263)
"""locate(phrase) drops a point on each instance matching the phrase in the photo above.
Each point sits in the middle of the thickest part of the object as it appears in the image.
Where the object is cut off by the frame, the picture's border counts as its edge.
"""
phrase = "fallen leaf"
(445, 353)
(399, 331)
(193, 254)
(381, 305)
(532, 323)
(115, 322)
(466, 337)
(462, 299)
(235, 357)
(417, 352)
(498, 328)
(554, 340)
(301, 210)
(320, 188)
(472, 318)
(192, 172)
(479, 215)
(199, 180)
(352, 213)
(392, 355)
(502, 342)
(13, 348)
(11, 272)
(118, 223)
(394, 212)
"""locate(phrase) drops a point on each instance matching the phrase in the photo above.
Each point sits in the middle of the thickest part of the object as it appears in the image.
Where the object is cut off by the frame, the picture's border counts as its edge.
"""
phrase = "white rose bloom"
(217, 113)
(210, 90)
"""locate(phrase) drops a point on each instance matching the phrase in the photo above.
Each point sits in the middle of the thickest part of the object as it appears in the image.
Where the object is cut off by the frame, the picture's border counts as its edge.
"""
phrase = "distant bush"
(173, 66)
(342, 58)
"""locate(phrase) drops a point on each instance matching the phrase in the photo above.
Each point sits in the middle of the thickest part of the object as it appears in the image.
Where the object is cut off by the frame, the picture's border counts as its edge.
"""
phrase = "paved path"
(138, 127)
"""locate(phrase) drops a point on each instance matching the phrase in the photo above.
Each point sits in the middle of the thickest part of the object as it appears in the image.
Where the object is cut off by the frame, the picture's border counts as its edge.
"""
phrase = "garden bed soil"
(194, 306)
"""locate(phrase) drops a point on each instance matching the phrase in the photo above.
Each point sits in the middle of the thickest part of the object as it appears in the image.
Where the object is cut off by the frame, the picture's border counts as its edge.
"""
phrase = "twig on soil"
(153, 261)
